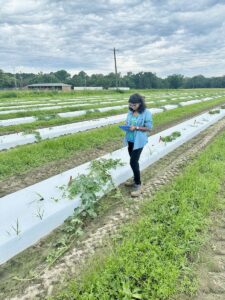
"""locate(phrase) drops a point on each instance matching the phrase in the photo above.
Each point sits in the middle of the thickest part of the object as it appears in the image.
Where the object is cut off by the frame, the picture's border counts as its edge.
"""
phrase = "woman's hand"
(132, 128)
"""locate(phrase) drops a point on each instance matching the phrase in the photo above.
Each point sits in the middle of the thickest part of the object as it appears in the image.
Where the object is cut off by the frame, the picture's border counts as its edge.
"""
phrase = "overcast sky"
(165, 37)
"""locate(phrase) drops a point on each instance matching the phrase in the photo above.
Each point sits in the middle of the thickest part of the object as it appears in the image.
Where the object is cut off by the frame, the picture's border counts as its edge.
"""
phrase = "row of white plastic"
(60, 105)
(31, 213)
(12, 140)
(54, 105)
(28, 105)
(4, 112)
(94, 99)
(25, 120)
(16, 139)
(17, 121)
(83, 99)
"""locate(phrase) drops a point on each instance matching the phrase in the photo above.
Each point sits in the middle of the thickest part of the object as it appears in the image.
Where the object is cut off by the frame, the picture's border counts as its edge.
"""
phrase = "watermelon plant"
(172, 137)
(89, 188)
(215, 111)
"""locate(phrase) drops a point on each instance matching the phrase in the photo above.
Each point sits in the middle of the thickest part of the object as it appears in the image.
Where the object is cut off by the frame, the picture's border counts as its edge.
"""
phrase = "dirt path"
(154, 177)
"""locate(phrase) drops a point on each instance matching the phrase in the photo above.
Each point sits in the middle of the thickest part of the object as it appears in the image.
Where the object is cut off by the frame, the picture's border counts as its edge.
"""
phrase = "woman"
(139, 119)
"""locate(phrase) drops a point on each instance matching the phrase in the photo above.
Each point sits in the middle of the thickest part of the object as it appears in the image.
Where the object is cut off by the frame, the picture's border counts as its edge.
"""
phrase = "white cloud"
(19, 6)
(156, 35)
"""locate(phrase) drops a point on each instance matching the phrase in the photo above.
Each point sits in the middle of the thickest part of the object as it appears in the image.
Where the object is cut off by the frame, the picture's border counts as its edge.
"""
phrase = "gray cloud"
(160, 36)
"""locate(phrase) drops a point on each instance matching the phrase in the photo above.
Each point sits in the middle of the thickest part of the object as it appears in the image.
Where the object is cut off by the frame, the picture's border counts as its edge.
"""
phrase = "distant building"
(89, 88)
(50, 86)
(119, 88)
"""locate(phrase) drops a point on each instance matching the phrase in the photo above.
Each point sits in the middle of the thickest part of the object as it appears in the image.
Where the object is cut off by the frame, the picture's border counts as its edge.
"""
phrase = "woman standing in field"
(139, 119)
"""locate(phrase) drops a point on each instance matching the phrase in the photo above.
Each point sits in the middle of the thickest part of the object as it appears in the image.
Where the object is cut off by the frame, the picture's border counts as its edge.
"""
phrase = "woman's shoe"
(129, 183)
(137, 190)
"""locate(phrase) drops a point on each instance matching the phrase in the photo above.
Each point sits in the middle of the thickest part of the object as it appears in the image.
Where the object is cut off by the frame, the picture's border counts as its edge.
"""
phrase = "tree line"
(141, 80)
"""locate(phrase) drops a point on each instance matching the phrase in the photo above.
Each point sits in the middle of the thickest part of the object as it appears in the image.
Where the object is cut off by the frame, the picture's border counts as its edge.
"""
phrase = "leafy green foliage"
(48, 117)
(60, 247)
(88, 187)
(35, 133)
(140, 80)
(172, 137)
(37, 136)
(215, 111)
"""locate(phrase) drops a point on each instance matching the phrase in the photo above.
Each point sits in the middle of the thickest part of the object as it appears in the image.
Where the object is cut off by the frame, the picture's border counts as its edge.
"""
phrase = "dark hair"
(137, 98)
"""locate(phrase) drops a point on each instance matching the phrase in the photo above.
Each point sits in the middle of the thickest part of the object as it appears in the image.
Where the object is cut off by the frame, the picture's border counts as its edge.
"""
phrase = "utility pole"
(21, 81)
(114, 52)
(15, 81)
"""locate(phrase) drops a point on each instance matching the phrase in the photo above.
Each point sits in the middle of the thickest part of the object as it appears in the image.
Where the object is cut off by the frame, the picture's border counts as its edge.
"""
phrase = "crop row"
(28, 157)
(22, 138)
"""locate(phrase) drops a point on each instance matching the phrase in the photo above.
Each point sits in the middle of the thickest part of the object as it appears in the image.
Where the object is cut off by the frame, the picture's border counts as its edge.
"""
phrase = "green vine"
(89, 188)
(213, 112)
(170, 138)
(36, 134)
(48, 117)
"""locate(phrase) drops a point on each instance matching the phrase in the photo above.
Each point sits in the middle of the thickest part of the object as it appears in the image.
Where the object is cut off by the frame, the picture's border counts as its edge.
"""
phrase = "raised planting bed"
(23, 138)
(31, 213)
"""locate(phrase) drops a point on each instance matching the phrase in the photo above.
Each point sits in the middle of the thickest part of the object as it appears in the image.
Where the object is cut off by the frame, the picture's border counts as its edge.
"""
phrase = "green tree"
(175, 81)
(62, 76)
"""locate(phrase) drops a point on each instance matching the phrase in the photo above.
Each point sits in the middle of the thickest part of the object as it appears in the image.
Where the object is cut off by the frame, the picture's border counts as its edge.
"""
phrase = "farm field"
(155, 249)
(198, 115)
(26, 158)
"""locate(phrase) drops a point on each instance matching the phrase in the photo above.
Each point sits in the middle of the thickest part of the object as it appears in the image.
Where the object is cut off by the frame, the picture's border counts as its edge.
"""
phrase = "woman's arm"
(147, 123)
(143, 128)
(132, 128)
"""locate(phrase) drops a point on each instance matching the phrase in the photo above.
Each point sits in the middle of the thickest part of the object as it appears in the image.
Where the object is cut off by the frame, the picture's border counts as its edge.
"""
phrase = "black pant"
(134, 158)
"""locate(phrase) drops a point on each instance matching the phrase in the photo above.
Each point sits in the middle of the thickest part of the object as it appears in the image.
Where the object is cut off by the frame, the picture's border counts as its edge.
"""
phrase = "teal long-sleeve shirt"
(143, 120)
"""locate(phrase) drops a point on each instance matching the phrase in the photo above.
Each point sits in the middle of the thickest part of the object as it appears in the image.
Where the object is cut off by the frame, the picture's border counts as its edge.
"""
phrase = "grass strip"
(29, 95)
(27, 157)
(152, 258)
